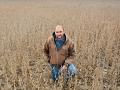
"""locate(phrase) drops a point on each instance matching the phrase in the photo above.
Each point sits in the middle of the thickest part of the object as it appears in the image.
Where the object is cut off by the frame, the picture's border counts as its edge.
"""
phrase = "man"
(60, 53)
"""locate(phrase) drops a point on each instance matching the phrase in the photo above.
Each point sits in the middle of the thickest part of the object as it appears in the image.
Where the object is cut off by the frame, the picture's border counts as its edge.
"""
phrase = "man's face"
(59, 32)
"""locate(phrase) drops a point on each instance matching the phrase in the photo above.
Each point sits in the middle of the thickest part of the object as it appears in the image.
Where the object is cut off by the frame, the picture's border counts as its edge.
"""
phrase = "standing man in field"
(60, 53)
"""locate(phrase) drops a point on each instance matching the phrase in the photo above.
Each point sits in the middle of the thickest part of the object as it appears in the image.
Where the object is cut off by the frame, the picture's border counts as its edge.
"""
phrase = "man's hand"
(63, 68)
(69, 61)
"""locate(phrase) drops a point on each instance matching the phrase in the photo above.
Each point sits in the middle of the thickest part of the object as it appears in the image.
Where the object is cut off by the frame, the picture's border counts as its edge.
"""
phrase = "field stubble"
(24, 27)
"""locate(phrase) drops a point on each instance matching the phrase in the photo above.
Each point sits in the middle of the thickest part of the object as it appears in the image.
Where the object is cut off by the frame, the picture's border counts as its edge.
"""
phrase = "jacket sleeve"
(71, 54)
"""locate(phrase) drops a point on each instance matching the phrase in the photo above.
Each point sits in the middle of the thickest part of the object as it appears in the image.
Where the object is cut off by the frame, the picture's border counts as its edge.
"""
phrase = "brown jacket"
(65, 54)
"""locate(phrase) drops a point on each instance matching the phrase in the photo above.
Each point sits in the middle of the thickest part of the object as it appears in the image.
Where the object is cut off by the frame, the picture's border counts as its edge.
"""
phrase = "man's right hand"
(63, 68)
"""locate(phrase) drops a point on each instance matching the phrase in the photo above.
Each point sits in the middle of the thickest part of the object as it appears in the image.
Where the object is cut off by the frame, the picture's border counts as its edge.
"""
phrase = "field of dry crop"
(93, 25)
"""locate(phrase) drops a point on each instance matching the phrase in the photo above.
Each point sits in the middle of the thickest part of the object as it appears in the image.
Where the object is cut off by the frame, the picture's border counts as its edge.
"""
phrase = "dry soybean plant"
(95, 30)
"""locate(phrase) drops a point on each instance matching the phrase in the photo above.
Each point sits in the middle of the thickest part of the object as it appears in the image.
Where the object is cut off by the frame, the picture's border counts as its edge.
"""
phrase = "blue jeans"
(56, 71)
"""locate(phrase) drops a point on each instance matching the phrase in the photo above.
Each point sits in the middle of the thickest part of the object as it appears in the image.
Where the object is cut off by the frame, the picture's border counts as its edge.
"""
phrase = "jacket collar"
(64, 35)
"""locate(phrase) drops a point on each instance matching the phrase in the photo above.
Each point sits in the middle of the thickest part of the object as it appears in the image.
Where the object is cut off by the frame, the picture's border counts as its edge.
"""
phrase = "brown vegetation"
(95, 29)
